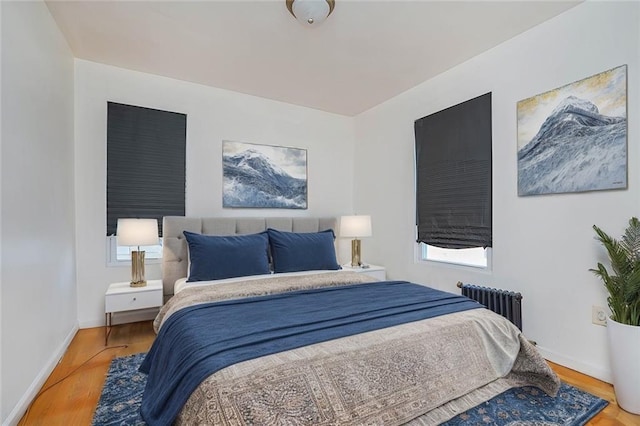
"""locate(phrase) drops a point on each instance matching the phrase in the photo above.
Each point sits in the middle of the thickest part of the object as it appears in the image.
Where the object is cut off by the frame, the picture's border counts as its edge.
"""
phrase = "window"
(146, 150)
(476, 257)
(453, 183)
(121, 255)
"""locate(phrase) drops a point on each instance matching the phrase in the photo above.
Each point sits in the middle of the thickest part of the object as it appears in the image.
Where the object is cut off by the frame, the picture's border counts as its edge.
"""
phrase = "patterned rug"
(120, 403)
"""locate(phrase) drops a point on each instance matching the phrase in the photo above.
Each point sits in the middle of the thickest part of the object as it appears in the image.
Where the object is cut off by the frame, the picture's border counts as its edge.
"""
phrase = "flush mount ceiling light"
(311, 12)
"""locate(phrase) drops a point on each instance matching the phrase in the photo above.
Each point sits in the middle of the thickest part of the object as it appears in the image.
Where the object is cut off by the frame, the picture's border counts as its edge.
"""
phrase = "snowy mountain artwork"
(574, 138)
(263, 176)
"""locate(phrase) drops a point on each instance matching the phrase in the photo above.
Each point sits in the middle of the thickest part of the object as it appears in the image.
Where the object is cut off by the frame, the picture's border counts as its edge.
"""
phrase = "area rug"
(122, 392)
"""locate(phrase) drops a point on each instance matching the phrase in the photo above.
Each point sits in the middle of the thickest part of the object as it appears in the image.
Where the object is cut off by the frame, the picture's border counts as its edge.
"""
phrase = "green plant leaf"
(623, 284)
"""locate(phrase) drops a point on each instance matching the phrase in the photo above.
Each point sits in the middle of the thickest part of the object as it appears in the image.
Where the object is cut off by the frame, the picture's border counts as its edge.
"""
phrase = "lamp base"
(137, 269)
(355, 254)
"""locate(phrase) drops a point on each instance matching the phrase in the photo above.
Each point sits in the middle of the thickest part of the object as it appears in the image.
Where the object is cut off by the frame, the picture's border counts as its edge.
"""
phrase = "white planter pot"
(624, 352)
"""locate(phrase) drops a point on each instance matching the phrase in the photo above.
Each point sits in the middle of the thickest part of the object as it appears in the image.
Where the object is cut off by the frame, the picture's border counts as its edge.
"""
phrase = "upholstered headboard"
(174, 246)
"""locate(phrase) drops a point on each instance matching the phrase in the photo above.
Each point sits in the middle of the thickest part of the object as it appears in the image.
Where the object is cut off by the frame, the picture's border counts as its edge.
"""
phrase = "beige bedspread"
(419, 373)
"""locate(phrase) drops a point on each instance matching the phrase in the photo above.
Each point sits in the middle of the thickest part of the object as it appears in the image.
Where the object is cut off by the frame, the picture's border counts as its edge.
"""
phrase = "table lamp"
(355, 227)
(137, 232)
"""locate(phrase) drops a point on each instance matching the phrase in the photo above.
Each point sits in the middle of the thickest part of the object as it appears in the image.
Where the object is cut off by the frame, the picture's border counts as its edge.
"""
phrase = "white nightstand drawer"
(132, 301)
(122, 297)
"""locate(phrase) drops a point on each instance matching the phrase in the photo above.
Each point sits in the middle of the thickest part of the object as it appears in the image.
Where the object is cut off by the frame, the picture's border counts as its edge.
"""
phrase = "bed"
(300, 342)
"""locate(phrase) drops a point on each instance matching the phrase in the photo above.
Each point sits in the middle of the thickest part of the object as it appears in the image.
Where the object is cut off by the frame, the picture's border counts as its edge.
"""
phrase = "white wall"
(39, 315)
(213, 115)
(543, 245)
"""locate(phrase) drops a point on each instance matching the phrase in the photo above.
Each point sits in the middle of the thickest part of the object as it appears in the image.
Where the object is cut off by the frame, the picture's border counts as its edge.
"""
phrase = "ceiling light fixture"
(311, 12)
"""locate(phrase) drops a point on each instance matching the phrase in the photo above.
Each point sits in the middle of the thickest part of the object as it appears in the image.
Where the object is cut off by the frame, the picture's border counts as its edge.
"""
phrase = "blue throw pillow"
(294, 252)
(215, 258)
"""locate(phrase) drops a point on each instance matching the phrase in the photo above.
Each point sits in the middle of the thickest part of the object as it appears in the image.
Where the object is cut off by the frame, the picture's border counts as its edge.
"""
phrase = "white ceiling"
(365, 53)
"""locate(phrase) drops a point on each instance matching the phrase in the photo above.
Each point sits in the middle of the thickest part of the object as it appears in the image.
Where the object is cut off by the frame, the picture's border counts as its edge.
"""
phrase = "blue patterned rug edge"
(122, 407)
(593, 411)
(121, 395)
(544, 410)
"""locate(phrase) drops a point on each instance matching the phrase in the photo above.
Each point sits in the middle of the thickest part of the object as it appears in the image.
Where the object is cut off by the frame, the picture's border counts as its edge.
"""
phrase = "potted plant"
(623, 326)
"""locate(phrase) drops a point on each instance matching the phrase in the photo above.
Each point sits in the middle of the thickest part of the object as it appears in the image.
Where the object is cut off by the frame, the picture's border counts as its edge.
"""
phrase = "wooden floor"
(74, 399)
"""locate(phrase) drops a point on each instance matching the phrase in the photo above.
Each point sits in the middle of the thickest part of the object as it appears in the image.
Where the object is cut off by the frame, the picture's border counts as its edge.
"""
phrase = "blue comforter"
(197, 341)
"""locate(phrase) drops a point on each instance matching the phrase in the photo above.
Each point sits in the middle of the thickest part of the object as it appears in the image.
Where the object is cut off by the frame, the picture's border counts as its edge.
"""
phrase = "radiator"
(503, 302)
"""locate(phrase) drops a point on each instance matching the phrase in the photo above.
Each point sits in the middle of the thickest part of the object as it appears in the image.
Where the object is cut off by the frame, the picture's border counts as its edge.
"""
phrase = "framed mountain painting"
(574, 138)
(263, 176)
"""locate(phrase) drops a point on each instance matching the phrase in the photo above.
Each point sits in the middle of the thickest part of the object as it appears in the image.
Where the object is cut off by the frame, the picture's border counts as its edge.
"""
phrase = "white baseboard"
(24, 402)
(122, 318)
(598, 372)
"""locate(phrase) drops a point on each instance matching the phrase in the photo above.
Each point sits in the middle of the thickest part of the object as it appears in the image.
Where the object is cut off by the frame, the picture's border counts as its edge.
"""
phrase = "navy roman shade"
(453, 176)
(145, 163)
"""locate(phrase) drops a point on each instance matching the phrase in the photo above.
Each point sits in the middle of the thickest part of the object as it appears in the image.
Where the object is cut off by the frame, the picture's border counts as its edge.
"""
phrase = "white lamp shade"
(137, 232)
(355, 226)
(310, 12)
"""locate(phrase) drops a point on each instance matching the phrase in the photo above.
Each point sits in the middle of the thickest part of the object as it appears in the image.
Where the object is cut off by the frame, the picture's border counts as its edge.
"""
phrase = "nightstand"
(121, 297)
(375, 271)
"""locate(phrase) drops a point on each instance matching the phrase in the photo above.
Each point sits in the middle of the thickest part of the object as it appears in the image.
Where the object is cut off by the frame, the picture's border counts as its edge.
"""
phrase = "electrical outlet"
(599, 315)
